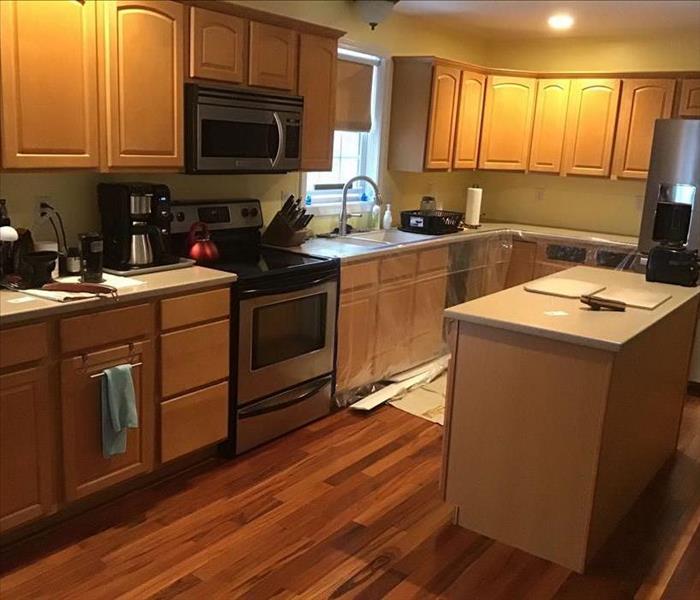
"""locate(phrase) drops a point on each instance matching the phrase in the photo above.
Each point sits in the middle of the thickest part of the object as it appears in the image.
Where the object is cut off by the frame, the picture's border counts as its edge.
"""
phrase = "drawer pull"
(101, 373)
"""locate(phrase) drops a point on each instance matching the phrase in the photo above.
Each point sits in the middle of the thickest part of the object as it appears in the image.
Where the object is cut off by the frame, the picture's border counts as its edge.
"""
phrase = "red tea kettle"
(199, 244)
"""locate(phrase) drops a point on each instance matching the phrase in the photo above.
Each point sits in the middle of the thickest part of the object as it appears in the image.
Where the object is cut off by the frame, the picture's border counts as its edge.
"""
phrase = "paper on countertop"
(635, 298)
(561, 286)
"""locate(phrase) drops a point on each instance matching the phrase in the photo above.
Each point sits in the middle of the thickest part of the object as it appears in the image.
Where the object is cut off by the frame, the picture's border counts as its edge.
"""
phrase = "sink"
(389, 237)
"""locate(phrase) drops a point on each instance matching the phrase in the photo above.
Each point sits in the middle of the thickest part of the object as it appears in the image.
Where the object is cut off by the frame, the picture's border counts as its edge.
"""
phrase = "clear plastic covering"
(392, 302)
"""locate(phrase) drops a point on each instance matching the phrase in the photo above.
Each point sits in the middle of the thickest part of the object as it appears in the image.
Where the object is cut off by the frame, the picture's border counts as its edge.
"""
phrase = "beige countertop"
(16, 307)
(348, 252)
(567, 319)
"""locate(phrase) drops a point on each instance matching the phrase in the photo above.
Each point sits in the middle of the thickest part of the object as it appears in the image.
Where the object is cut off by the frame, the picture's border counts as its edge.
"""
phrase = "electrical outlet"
(539, 194)
(38, 210)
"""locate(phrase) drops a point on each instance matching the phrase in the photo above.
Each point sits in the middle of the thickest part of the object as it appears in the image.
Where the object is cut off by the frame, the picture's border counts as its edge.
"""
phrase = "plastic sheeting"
(392, 303)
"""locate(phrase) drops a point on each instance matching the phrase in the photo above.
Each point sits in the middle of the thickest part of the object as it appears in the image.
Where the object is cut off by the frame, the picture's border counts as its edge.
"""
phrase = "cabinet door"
(394, 331)
(641, 103)
(357, 321)
(689, 98)
(508, 115)
(443, 112)
(550, 121)
(468, 128)
(86, 470)
(521, 267)
(27, 486)
(428, 306)
(273, 57)
(590, 126)
(143, 83)
(317, 82)
(218, 46)
(49, 100)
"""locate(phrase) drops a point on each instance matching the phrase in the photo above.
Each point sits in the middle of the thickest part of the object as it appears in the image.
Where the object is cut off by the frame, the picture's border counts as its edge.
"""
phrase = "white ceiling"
(528, 18)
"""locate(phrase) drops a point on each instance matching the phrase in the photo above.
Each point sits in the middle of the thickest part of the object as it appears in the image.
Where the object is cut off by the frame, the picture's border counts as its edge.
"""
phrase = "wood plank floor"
(347, 507)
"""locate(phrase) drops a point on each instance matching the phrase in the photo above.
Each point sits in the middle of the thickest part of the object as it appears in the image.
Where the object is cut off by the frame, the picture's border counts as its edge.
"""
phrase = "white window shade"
(353, 108)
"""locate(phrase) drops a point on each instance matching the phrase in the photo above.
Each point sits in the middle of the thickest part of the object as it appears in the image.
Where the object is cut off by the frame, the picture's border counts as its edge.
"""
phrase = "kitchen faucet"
(343, 226)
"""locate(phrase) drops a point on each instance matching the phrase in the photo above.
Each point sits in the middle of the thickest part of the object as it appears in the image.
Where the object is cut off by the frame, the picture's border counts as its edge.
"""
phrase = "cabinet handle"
(101, 373)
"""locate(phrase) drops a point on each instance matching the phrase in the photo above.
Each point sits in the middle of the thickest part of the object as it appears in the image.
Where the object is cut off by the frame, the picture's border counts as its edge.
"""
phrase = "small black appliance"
(136, 220)
(91, 257)
(671, 261)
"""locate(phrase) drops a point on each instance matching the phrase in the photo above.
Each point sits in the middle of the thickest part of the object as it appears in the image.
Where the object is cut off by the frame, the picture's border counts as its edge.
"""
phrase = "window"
(354, 153)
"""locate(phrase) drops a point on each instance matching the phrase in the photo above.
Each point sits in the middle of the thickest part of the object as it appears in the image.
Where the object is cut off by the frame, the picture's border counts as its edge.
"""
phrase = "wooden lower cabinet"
(428, 306)
(193, 421)
(357, 322)
(86, 470)
(394, 331)
(27, 486)
(521, 267)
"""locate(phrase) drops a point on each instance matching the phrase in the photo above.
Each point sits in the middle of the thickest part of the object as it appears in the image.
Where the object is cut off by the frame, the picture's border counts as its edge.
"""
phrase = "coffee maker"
(670, 231)
(136, 221)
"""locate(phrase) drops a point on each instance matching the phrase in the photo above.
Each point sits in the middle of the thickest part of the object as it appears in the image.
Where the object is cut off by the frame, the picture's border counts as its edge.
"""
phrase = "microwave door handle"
(281, 141)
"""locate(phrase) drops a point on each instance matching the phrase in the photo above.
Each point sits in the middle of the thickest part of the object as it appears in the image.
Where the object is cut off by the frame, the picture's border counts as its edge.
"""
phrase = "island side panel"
(524, 439)
(645, 406)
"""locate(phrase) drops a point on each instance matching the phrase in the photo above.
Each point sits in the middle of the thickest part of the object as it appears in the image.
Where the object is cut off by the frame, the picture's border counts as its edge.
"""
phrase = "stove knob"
(180, 216)
(253, 212)
(244, 213)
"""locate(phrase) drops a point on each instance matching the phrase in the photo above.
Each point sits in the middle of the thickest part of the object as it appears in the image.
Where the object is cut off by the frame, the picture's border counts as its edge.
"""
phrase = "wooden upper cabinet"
(48, 78)
(86, 469)
(590, 126)
(317, 82)
(507, 129)
(143, 83)
(689, 98)
(273, 57)
(549, 126)
(468, 128)
(218, 46)
(642, 102)
(443, 113)
(27, 486)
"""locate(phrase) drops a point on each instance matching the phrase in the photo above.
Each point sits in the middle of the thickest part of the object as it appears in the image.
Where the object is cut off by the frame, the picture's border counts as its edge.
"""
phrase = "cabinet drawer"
(23, 344)
(359, 275)
(193, 421)
(194, 308)
(106, 327)
(432, 260)
(194, 357)
(402, 266)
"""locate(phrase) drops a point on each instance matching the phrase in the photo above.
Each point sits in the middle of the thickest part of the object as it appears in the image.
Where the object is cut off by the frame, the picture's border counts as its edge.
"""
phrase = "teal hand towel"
(118, 409)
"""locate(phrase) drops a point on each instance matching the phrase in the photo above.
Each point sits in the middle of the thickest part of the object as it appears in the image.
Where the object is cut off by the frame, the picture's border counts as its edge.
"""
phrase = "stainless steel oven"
(232, 130)
(285, 337)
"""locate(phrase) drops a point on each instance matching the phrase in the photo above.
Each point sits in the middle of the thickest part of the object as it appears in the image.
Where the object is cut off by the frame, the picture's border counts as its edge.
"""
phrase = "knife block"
(280, 233)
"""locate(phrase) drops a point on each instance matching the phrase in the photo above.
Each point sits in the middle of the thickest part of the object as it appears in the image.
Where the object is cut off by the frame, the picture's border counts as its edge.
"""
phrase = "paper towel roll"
(472, 209)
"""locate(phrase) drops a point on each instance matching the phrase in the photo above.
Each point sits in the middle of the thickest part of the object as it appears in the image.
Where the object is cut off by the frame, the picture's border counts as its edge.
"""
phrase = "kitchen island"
(559, 416)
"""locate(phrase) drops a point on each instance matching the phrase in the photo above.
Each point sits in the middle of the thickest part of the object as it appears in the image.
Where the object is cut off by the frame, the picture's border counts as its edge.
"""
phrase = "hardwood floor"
(347, 507)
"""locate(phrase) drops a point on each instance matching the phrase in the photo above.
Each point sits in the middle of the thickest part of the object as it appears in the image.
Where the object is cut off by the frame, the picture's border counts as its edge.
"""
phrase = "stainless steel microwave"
(233, 130)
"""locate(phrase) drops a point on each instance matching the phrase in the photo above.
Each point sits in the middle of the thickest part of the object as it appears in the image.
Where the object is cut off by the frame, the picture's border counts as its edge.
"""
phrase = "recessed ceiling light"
(560, 21)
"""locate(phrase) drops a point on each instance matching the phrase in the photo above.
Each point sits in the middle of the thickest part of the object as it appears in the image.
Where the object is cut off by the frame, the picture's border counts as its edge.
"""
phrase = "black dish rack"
(431, 222)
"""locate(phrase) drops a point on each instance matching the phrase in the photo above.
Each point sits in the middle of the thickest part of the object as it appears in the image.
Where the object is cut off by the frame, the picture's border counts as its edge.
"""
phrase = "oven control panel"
(217, 214)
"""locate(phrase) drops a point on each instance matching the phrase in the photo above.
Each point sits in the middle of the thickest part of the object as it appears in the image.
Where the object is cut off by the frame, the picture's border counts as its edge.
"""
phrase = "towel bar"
(101, 373)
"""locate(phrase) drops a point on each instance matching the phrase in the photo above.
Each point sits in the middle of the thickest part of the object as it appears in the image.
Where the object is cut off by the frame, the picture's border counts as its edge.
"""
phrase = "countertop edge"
(532, 330)
(61, 308)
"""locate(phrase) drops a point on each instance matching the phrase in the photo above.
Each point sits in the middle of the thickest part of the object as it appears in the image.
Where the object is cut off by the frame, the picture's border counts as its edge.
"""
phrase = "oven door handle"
(282, 401)
(273, 291)
(281, 143)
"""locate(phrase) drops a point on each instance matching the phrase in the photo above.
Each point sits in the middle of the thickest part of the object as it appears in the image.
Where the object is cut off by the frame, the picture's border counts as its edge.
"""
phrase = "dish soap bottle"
(386, 223)
(374, 220)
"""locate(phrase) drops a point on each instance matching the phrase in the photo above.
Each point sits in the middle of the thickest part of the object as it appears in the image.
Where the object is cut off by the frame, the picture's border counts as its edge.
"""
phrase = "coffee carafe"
(136, 221)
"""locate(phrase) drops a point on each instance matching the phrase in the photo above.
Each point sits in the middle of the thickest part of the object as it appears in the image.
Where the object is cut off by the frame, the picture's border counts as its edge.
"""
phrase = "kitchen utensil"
(596, 303)
(91, 246)
(36, 267)
(99, 289)
(200, 246)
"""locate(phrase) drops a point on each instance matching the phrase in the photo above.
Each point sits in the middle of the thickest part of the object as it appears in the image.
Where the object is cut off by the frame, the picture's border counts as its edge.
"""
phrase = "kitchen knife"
(287, 207)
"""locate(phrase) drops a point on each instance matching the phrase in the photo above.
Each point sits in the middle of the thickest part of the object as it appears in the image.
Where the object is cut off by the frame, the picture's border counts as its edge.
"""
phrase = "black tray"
(431, 222)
